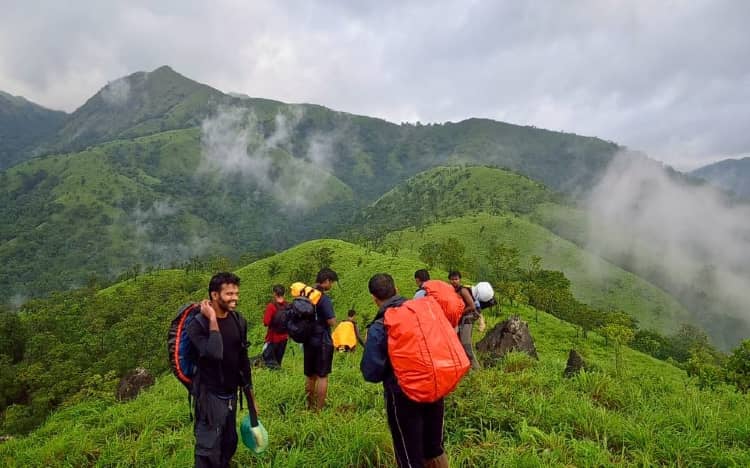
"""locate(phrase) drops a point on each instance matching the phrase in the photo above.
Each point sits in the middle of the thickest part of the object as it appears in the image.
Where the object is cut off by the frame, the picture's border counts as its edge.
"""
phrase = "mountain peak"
(138, 104)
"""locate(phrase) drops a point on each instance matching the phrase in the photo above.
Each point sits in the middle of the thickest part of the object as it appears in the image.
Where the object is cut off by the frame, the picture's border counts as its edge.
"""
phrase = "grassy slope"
(481, 205)
(594, 281)
(516, 414)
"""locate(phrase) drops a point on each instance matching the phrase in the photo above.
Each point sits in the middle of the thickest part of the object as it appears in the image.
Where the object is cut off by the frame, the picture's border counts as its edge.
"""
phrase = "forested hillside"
(23, 127)
(157, 157)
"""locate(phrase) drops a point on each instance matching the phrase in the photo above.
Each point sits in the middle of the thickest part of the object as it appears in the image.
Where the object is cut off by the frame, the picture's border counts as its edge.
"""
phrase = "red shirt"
(272, 336)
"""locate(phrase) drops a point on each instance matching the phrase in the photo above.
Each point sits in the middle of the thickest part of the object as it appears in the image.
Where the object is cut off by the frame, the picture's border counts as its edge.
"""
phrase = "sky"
(669, 78)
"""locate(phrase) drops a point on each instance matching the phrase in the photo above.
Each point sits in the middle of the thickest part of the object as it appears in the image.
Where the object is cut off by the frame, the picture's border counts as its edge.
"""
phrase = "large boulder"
(132, 384)
(510, 335)
(575, 364)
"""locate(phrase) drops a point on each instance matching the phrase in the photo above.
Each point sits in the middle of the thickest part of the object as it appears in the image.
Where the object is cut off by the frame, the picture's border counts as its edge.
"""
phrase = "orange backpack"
(427, 357)
(450, 301)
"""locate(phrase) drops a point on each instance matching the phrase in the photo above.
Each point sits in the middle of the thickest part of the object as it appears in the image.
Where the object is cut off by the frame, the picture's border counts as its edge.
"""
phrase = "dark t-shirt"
(221, 357)
(324, 312)
(230, 365)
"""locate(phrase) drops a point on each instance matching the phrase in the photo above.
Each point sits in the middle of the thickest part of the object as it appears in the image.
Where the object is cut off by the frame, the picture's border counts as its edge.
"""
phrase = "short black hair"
(326, 274)
(454, 274)
(351, 313)
(422, 275)
(381, 286)
(278, 289)
(220, 279)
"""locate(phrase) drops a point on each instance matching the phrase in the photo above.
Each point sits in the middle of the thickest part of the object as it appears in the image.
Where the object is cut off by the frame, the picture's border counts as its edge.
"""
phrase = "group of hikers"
(415, 421)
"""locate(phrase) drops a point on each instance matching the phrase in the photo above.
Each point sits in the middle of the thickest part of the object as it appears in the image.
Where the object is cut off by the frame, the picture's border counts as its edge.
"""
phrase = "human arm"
(375, 357)
(468, 300)
(356, 333)
(325, 310)
(208, 345)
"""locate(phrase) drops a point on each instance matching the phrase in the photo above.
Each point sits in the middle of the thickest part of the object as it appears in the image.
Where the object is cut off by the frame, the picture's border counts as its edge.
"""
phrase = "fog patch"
(687, 238)
(116, 93)
(160, 235)
(234, 143)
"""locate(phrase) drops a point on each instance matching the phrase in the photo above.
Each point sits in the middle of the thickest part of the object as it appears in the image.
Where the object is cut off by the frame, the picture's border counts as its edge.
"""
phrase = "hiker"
(346, 335)
(275, 342)
(219, 335)
(420, 276)
(416, 428)
(470, 315)
(318, 350)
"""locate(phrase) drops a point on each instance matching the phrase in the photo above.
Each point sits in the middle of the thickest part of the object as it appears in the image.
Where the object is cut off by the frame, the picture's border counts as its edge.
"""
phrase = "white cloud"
(653, 76)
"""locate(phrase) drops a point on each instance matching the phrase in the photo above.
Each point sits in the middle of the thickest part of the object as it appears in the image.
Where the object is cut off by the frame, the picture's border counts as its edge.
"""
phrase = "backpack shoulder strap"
(242, 326)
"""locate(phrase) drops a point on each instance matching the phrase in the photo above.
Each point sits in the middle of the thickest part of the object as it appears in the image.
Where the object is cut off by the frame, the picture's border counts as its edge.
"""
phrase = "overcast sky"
(671, 78)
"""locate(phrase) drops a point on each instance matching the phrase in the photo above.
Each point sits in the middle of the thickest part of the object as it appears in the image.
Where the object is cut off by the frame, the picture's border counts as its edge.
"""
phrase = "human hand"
(207, 310)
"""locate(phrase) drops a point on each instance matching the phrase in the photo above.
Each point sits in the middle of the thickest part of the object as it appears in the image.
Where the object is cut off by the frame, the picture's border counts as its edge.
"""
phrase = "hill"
(24, 126)
(139, 104)
(145, 202)
(730, 174)
(515, 412)
(482, 207)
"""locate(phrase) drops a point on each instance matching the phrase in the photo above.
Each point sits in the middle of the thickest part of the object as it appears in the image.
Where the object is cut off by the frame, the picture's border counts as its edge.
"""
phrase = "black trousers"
(416, 429)
(215, 430)
(274, 353)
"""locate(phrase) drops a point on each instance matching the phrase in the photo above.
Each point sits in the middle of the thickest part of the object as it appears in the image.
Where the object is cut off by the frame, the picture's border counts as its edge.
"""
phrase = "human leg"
(280, 351)
(464, 335)
(432, 442)
(406, 426)
(269, 356)
(211, 420)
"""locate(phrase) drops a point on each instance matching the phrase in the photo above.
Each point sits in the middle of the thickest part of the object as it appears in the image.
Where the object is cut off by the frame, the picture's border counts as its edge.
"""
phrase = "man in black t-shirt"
(219, 334)
(318, 350)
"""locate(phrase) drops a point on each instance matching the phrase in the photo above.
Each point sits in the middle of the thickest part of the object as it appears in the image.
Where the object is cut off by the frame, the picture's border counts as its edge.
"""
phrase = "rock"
(575, 364)
(132, 384)
(510, 335)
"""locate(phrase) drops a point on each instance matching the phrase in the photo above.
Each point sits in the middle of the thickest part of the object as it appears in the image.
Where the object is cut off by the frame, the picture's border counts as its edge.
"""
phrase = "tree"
(323, 257)
(504, 262)
(620, 336)
(738, 366)
(429, 253)
(452, 254)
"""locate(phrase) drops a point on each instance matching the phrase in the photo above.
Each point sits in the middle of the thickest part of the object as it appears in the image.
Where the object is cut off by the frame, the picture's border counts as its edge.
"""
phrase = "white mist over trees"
(233, 142)
(690, 239)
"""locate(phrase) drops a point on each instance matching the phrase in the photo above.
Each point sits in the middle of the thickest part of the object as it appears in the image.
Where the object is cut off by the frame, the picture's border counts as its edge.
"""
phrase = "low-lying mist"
(688, 238)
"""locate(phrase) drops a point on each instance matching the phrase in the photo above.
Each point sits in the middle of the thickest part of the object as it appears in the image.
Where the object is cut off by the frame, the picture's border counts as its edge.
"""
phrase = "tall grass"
(518, 412)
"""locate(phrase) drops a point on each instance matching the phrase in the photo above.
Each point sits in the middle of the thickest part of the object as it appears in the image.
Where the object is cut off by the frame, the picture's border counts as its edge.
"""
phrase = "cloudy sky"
(671, 78)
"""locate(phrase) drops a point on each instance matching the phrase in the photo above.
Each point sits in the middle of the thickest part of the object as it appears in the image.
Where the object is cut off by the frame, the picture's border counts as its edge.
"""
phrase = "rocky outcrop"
(132, 384)
(575, 364)
(510, 335)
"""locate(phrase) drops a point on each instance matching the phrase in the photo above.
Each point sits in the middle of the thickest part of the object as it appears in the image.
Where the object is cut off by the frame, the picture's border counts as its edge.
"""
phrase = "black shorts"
(318, 359)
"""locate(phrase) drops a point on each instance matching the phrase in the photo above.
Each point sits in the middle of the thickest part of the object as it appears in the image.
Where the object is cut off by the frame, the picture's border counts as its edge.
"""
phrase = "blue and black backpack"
(183, 359)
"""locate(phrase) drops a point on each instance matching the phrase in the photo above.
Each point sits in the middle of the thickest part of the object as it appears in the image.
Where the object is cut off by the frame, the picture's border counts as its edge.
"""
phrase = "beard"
(226, 306)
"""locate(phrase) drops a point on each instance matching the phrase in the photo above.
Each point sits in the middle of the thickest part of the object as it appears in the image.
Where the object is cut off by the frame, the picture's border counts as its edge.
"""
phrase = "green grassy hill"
(594, 281)
(515, 413)
(482, 206)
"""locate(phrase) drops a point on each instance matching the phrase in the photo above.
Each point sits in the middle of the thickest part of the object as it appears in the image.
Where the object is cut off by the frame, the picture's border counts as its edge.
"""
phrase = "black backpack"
(299, 319)
(278, 320)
